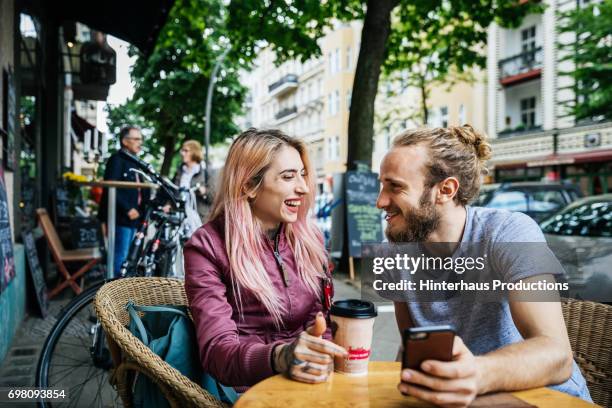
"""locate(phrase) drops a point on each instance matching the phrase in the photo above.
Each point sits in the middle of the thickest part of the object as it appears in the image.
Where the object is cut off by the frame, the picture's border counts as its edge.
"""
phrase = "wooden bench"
(61, 256)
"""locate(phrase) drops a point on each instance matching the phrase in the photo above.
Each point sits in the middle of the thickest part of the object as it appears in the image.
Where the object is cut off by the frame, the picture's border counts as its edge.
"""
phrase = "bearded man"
(428, 178)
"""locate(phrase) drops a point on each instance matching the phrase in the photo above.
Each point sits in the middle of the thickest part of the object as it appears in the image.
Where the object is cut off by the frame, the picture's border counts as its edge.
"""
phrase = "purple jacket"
(237, 351)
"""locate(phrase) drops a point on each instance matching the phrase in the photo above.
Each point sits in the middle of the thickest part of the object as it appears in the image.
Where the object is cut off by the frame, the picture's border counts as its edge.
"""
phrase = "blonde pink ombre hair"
(249, 157)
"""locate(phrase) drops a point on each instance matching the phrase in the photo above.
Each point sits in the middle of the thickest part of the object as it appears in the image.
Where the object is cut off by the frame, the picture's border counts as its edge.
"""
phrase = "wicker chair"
(589, 326)
(130, 355)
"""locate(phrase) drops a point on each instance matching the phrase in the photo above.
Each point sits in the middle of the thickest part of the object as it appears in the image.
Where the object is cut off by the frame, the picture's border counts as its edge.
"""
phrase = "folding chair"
(61, 256)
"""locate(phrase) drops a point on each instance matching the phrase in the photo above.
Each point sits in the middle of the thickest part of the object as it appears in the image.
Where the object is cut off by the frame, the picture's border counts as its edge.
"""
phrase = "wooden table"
(377, 389)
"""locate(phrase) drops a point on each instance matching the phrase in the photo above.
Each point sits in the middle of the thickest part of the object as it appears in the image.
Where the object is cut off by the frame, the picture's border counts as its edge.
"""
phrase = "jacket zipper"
(279, 261)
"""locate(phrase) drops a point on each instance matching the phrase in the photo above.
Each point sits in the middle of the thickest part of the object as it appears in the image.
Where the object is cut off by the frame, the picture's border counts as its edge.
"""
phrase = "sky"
(123, 89)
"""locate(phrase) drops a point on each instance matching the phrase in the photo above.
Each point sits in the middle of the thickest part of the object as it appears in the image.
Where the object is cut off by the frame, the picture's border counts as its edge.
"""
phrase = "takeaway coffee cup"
(352, 323)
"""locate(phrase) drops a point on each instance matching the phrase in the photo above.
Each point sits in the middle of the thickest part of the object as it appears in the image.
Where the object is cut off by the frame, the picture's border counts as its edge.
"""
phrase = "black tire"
(73, 333)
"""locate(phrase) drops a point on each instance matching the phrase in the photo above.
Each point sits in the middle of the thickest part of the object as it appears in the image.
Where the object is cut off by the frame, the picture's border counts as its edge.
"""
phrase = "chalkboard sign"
(363, 218)
(40, 287)
(7, 261)
(85, 233)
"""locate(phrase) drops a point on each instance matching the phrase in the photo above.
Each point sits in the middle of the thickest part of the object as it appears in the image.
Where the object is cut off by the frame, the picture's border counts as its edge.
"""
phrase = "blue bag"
(169, 333)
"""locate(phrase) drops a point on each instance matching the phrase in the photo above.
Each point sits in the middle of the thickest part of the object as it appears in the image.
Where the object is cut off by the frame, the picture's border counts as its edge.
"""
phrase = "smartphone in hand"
(427, 343)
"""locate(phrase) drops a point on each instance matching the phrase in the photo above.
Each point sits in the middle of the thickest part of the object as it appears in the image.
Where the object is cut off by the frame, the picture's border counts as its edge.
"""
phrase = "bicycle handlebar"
(170, 188)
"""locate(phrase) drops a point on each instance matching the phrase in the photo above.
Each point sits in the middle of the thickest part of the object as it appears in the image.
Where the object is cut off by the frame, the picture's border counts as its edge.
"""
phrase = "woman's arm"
(222, 353)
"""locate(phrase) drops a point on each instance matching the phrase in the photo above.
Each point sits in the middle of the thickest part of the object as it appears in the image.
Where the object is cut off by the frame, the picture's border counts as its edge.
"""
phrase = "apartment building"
(399, 108)
(535, 138)
(310, 100)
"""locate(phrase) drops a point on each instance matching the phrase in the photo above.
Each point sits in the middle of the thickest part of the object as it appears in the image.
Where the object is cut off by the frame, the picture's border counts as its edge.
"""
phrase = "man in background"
(130, 201)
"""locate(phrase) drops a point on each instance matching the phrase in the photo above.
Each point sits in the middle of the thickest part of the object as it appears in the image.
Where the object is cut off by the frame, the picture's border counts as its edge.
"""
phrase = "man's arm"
(545, 357)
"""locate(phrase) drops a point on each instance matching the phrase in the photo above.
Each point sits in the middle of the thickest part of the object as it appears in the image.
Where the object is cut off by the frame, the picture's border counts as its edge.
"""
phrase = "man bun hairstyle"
(471, 137)
(455, 151)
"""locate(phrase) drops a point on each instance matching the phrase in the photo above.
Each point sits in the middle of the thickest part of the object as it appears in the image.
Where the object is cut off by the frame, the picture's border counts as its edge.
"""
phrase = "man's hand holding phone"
(451, 383)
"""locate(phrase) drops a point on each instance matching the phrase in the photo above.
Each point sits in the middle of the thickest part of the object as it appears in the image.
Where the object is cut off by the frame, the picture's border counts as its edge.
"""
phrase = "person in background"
(130, 202)
(190, 173)
(256, 275)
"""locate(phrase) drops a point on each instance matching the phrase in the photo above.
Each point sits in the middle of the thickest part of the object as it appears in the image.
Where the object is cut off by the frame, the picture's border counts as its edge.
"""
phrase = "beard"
(419, 222)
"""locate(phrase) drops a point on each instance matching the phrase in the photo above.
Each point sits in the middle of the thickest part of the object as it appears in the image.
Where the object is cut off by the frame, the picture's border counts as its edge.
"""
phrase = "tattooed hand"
(309, 358)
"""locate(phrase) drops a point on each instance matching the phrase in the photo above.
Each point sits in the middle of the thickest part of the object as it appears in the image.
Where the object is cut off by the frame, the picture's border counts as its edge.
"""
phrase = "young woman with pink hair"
(256, 274)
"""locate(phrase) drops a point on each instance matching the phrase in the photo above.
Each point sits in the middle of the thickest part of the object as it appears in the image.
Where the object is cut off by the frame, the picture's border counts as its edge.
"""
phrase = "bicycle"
(76, 346)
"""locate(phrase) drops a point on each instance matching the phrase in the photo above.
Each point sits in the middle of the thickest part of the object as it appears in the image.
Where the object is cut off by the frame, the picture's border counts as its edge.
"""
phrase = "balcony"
(519, 131)
(521, 68)
(287, 83)
(285, 114)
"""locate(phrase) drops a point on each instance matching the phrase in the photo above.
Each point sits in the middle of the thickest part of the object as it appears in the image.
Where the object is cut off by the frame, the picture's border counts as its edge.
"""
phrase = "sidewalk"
(19, 367)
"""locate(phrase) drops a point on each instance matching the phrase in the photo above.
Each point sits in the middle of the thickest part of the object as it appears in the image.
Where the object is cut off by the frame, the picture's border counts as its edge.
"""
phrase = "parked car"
(580, 235)
(539, 200)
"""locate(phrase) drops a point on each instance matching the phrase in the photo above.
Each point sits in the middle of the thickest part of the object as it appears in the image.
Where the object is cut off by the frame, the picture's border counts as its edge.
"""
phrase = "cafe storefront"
(44, 70)
(581, 154)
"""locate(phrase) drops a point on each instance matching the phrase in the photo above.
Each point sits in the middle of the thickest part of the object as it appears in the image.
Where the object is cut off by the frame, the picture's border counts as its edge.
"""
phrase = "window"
(337, 143)
(348, 99)
(333, 152)
(546, 201)
(509, 200)
(528, 112)
(444, 116)
(333, 100)
(337, 60)
(528, 39)
(462, 115)
(330, 61)
(528, 45)
(349, 57)
(337, 101)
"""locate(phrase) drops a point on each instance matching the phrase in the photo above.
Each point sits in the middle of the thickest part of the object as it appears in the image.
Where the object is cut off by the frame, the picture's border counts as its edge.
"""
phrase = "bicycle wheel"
(75, 358)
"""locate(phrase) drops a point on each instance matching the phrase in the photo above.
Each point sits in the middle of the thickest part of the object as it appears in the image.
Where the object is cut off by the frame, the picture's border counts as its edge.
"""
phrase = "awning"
(135, 21)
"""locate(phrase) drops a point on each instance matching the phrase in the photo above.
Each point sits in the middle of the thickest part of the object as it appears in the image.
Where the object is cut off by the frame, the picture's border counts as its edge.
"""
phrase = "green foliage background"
(171, 84)
(431, 39)
(590, 50)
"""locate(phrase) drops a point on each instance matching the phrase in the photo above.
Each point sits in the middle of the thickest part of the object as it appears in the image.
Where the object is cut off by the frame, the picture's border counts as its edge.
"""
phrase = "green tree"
(590, 51)
(292, 30)
(391, 28)
(171, 84)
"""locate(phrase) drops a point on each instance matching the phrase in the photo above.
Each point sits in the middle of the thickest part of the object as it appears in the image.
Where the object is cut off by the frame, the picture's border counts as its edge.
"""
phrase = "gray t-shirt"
(485, 327)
